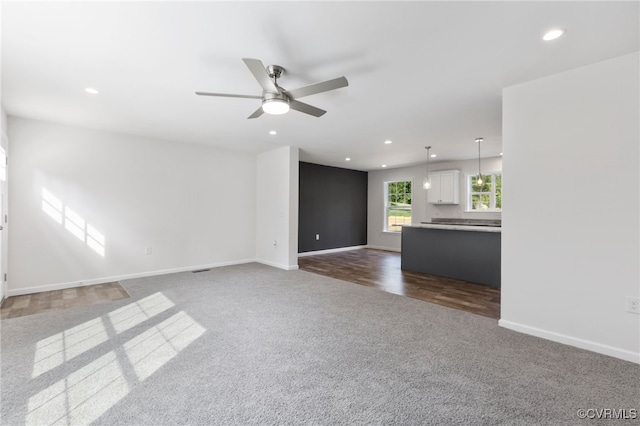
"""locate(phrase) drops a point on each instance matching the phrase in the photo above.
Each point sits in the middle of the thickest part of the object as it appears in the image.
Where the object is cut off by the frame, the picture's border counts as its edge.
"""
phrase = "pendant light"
(427, 180)
(479, 181)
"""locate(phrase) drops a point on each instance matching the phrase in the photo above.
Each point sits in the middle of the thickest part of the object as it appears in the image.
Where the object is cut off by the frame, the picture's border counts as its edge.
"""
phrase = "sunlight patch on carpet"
(88, 392)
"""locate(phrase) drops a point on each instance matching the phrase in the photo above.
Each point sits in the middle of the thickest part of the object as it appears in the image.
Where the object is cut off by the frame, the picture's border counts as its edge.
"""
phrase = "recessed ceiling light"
(91, 90)
(388, 142)
(273, 132)
(434, 155)
(384, 165)
(347, 159)
(500, 154)
(553, 34)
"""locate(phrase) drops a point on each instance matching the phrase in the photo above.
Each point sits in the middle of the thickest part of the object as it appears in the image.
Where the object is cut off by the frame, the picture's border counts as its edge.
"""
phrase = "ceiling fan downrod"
(275, 72)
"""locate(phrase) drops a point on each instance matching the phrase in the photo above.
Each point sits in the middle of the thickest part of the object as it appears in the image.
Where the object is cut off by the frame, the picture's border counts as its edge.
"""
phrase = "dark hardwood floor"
(381, 269)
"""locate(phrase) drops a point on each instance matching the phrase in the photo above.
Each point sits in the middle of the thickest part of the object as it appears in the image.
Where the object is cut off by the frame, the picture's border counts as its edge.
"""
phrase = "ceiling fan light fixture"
(275, 106)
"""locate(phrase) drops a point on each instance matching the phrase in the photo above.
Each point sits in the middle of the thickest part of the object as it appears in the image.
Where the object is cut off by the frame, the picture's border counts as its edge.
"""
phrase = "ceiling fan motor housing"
(275, 71)
(278, 97)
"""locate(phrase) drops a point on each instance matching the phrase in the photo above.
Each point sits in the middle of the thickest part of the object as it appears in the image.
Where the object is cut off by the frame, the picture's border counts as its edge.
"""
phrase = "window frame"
(387, 206)
(492, 194)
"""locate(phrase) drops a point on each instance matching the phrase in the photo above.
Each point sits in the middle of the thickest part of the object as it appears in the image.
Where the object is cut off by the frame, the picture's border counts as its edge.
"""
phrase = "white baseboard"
(278, 265)
(71, 284)
(573, 341)
(383, 248)
(327, 251)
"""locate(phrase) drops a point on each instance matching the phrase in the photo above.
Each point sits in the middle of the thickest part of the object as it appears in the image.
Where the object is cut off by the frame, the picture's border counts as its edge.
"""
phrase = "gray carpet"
(251, 344)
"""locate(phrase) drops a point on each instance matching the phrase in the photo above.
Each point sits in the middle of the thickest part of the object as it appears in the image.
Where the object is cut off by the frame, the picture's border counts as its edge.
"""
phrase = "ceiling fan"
(277, 100)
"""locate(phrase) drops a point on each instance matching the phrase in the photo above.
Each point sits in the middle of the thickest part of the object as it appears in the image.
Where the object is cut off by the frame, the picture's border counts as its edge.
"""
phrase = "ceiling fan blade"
(228, 95)
(260, 73)
(257, 113)
(324, 86)
(306, 108)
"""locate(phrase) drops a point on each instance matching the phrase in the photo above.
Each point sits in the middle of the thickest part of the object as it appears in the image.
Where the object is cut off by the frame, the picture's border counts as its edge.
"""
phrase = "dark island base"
(472, 256)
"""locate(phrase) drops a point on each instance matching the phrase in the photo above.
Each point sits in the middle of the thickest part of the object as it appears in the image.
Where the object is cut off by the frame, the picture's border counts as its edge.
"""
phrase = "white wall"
(421, 210)
(4, 122)
(277, 208)
(4, 142)
(194, 205)
(570, 236)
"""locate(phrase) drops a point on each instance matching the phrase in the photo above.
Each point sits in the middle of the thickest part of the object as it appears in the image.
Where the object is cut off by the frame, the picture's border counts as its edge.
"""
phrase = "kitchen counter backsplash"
(459, 221)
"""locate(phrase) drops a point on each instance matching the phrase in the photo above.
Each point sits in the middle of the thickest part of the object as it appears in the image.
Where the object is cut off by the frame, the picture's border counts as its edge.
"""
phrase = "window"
(486, 197)
(397, 205)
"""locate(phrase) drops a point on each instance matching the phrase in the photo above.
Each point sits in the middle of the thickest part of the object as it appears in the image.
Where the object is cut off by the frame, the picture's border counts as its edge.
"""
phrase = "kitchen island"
(465, 252)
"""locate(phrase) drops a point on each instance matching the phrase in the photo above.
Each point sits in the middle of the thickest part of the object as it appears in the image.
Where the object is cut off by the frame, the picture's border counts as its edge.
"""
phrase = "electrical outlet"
(148, 250)
(633, 305)
(317, 237)
(275, 243)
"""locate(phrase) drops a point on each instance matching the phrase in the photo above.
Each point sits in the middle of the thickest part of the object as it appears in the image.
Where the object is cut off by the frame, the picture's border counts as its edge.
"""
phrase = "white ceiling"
(420, 73)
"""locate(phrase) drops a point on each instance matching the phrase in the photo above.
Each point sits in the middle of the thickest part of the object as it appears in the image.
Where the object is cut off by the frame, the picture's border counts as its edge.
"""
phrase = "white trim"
(327, 251)
(278, 265)
(383, 248)
(71, 284)
(573, 341)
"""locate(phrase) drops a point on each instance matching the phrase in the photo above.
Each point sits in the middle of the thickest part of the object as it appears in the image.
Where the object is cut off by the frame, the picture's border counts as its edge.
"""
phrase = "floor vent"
(201, 270)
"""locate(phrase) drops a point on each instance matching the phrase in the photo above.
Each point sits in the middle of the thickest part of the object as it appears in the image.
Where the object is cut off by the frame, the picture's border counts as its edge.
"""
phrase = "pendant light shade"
(479, 181)
(427, 180)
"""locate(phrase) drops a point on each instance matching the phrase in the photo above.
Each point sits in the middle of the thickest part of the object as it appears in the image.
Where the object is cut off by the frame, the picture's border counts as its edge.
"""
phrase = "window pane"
(398, 205)
(486, 184)
(480, 202)
(397, 217)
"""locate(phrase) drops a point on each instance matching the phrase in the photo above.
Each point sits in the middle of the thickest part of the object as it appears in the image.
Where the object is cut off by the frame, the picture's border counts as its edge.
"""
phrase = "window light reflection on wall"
(73, 222)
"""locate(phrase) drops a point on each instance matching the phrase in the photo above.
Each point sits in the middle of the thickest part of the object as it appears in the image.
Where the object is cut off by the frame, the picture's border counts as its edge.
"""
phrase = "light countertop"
(456, 227)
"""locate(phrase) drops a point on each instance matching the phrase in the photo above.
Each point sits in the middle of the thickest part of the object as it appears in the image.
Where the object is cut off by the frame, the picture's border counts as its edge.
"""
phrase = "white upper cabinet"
(445, 187)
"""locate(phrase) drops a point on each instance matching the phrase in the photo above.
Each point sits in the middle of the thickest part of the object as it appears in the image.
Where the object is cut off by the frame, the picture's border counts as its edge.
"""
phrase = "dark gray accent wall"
(333, 204)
